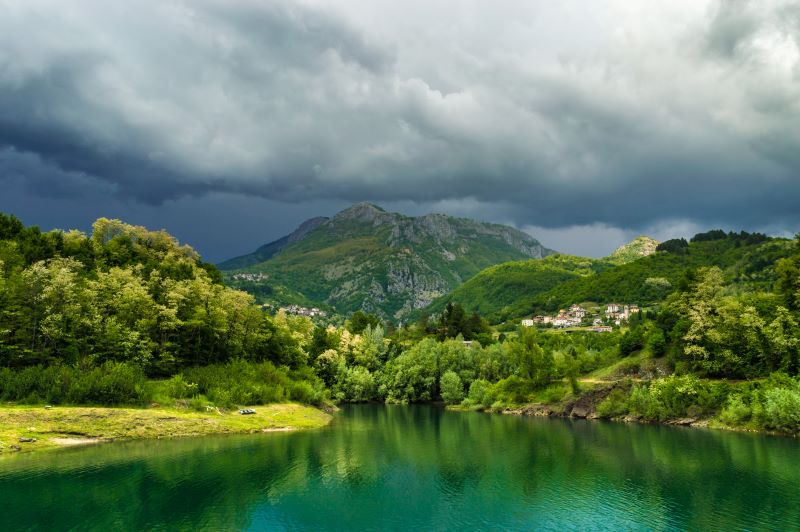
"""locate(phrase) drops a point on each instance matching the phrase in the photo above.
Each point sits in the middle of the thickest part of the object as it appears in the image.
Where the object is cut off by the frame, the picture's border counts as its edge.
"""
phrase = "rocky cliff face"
(367, 258)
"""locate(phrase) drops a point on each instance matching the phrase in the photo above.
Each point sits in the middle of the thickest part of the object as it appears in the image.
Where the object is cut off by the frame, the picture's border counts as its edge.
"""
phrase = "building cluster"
(252, 277)
(565, 318)
(297, 310)
(576, 315)
(619, 313)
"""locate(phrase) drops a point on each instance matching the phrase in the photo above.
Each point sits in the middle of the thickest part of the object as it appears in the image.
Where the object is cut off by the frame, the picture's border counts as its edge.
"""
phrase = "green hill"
(747, 260)
(367, 258)
(509, 289)
(516, 289)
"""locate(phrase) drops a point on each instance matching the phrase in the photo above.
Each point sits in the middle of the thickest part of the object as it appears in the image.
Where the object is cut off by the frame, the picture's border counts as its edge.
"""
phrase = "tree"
(451, 387)
(788, 285)
(360, 320)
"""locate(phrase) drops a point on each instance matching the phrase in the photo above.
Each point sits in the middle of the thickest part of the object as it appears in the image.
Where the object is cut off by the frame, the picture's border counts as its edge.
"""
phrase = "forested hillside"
(745, 259)
(509, 290)
(516, 289)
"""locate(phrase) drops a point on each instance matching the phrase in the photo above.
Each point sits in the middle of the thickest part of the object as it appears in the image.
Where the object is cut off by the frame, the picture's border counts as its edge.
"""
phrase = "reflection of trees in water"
(380, 461)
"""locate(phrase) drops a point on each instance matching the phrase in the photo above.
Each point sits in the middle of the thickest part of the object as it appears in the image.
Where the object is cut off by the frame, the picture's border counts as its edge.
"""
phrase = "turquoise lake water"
(416, 468)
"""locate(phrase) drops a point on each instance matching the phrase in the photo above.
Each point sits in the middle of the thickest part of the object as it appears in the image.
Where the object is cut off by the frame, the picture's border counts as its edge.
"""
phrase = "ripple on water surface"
(418, 467)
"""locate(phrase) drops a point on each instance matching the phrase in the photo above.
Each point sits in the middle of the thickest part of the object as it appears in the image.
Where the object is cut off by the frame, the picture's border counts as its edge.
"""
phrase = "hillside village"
(577, 316)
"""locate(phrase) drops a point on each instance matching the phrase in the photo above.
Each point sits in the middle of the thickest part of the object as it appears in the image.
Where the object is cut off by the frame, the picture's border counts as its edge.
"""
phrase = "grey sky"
(229, 122)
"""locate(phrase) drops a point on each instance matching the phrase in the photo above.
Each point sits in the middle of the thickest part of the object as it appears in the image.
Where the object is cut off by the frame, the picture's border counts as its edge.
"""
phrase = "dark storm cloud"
(610, 114)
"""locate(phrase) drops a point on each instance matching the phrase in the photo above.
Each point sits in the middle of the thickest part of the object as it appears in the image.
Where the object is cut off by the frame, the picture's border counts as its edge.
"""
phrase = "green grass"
(61, 426)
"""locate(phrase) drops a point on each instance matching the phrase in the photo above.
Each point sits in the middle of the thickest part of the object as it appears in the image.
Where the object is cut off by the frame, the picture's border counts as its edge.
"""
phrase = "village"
(577, 316)
(251, 277)
(297, 310)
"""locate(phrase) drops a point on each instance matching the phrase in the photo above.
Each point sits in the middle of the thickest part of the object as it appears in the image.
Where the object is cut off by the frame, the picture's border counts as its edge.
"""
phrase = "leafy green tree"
(360, 320)
(452, 389)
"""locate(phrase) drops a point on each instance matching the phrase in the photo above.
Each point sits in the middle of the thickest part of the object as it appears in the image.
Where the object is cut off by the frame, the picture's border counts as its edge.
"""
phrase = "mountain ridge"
(367, 258)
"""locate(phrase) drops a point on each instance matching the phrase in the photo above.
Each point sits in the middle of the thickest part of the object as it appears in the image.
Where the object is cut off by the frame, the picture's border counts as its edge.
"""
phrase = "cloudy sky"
(228, 122)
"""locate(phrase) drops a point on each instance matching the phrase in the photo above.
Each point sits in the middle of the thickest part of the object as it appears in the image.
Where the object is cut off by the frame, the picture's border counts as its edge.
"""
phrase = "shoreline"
(26, 429)
(551, 410)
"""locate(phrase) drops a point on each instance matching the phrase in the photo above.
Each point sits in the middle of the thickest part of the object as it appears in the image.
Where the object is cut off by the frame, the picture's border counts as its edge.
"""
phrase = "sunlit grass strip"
(59, 426)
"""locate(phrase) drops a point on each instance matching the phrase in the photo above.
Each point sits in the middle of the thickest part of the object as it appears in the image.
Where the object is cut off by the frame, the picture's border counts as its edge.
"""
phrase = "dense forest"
(129, 316)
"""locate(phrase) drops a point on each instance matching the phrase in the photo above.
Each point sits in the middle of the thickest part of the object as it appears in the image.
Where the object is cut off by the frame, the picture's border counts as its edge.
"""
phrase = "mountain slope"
(517, 289)
(509, 289)
(267, 251)
(370, 259)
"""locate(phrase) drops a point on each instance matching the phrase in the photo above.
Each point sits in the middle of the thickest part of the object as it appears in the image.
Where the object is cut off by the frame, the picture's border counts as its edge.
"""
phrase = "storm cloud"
(616, 116)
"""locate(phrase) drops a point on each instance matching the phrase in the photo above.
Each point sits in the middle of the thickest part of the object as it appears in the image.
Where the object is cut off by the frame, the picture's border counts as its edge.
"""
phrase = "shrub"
(782, 409)
(477, 392)
(451, 387)
(736, 412)
(614, 405)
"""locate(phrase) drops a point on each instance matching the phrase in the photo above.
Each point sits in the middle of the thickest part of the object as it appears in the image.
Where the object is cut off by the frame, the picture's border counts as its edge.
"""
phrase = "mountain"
(367, 258)
(516, 289)
(267, 251)
(639, 247)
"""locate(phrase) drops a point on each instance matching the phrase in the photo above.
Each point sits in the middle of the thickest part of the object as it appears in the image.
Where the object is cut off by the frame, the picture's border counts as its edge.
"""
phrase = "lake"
(381, 467)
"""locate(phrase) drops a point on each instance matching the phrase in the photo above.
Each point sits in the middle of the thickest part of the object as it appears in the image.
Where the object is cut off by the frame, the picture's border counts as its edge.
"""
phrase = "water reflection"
(384, 467)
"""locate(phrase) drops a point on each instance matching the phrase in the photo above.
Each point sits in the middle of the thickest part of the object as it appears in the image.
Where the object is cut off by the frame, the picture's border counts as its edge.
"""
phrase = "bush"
(358, 386)
(478, 391)
(614, 405)
(736, 412)
(674, 396)
(782, 409)
(512, 390)
(111, 383)
(451, 387)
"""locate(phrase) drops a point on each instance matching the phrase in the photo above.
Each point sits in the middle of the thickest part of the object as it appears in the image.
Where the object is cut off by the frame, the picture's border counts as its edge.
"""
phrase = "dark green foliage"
(361, 320)
(678, 246)
(10, 226)
(109, 384)
(788, 285)
(714, 234)
(238, 383)
(632, 340)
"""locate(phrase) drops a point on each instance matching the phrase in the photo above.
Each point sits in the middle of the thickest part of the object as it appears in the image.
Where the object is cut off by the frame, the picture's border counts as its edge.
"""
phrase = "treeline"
(367, 366)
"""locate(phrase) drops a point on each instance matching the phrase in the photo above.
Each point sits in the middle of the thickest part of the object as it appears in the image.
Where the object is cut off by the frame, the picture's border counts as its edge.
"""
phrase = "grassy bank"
(769, 405)
(61, 426)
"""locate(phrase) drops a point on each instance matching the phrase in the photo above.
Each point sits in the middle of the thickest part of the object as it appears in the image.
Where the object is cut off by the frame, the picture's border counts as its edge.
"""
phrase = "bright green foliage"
(509, 289)
(452, 388)
(478, 391)
(674, 397)
(745, 260)
(86, 319)
(614, 405)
